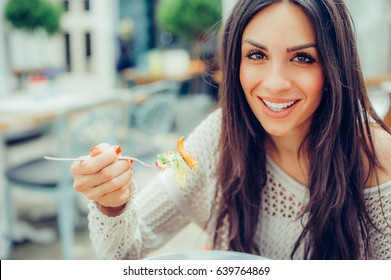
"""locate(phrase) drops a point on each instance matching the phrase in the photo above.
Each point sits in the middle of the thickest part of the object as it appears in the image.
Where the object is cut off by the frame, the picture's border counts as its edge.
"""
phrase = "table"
(132, 76)
(377, 80)
(24, 110)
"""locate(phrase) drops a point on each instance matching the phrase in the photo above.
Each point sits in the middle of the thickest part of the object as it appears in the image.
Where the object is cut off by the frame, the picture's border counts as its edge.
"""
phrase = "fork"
(120, 158)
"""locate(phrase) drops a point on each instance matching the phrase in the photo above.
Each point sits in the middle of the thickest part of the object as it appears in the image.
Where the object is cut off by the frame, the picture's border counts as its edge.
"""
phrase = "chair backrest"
(155, 114)
(79, 130)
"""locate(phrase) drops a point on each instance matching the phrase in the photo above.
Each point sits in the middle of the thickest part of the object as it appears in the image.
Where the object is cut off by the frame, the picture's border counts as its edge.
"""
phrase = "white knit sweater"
(161, 208)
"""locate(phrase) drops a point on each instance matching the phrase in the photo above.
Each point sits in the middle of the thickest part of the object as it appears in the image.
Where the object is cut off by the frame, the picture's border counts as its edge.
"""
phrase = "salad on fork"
(181, 162)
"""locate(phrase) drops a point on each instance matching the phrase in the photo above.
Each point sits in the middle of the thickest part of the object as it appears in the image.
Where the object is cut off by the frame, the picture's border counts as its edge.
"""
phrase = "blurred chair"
(76, 131)
(22, 137)
(156, 113)
(150, 111)
(25, 135)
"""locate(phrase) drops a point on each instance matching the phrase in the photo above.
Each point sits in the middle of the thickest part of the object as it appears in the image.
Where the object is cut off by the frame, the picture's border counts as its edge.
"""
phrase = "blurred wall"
(3, 61)
(372, 20)
(92, 39)
(227, 7)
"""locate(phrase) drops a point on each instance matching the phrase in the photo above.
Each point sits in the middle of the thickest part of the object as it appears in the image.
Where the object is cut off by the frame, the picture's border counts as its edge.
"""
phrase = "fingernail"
(94, 151)
(130, 163)
(117, 149)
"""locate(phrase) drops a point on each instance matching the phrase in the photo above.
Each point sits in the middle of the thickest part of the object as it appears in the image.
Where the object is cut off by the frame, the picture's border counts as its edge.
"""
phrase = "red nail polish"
(130, 164)
(117, 149)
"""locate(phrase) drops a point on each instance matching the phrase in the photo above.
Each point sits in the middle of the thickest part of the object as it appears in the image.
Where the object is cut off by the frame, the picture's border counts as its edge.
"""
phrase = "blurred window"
(67, 40)
(66, 5)
(87, 5)
(88, 50)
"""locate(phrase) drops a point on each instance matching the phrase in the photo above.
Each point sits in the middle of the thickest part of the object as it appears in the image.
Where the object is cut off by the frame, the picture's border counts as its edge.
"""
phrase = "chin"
(274, 130)
(276, 133)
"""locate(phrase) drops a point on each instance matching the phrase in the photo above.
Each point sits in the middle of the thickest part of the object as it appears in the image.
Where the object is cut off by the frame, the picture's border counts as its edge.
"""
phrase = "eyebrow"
(301, 47)
(291, 49)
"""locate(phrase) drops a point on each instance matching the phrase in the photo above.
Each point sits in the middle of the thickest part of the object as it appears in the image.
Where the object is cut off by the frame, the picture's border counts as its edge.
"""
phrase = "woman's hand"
(104, 179)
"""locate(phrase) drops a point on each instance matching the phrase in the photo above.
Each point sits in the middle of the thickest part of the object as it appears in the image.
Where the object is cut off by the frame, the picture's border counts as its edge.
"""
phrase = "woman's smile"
(278, 108)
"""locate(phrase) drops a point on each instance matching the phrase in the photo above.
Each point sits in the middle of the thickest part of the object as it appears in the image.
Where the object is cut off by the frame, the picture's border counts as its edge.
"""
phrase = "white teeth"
(278, 107)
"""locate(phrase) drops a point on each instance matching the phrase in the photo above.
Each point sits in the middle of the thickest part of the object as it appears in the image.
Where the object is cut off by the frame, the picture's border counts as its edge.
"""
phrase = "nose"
(277, 79)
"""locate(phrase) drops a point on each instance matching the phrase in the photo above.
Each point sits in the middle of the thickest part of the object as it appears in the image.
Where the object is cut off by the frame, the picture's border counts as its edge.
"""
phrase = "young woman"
(295, 163)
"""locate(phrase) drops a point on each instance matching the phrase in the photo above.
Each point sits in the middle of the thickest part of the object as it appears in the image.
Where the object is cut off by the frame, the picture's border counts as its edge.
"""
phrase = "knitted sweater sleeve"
(378, 204)
(161, 208)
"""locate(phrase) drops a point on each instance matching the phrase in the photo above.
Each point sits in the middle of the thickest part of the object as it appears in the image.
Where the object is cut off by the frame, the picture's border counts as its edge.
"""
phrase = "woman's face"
(280, 71)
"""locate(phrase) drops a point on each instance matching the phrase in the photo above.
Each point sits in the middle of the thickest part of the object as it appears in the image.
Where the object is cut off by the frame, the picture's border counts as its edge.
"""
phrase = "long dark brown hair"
(338, 142)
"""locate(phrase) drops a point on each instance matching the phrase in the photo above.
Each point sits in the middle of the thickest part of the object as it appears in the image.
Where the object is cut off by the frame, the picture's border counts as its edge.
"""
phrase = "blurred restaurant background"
(137, 73)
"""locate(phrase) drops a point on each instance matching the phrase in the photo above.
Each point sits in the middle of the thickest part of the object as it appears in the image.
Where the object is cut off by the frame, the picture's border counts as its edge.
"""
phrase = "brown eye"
(303, 58)
(256, 55)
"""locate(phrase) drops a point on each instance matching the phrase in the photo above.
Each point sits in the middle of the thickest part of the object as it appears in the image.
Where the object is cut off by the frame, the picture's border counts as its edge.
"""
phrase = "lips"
(278, 108)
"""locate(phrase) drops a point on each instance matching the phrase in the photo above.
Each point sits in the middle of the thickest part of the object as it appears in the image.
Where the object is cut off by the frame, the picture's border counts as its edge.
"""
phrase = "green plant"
(188, 19)
(31, 15)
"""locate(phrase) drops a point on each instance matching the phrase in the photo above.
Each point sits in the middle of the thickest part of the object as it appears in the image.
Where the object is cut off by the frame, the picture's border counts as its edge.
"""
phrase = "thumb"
(98, 149)
(94, 151)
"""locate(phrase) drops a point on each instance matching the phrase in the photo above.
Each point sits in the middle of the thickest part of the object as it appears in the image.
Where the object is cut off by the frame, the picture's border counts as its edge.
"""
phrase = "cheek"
(248, 78)
(313, 86)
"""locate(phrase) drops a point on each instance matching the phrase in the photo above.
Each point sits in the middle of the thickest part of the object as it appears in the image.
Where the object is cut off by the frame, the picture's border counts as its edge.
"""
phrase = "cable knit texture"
(160, 209)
